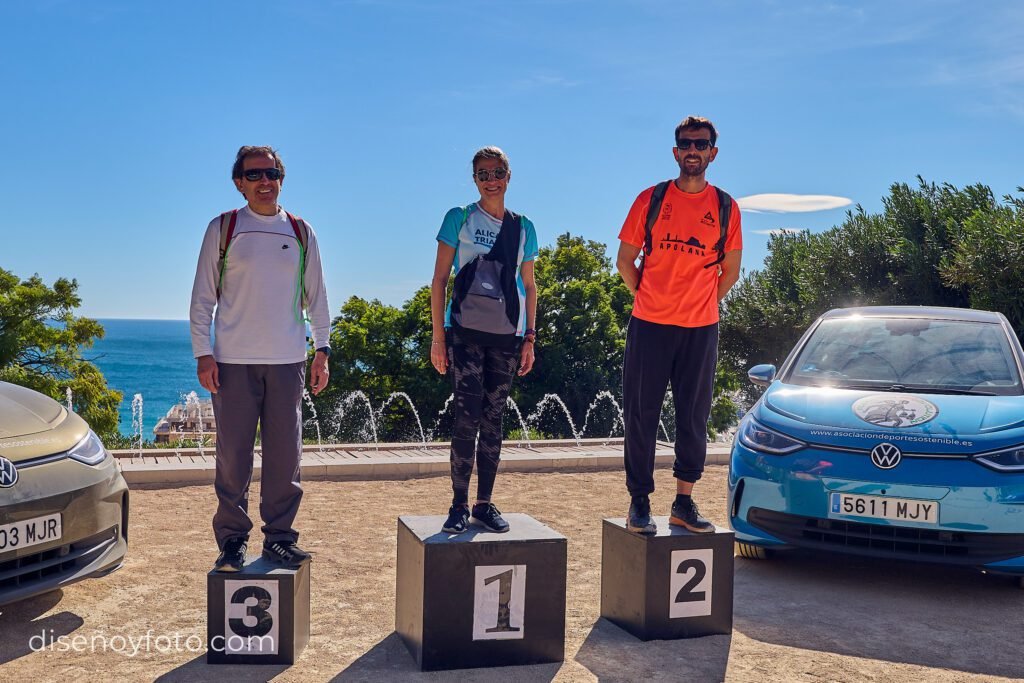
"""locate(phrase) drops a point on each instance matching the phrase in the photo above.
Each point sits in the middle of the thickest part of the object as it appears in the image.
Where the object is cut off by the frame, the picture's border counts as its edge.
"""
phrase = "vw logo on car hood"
(8, 474)
(899, 410)
(886, 456)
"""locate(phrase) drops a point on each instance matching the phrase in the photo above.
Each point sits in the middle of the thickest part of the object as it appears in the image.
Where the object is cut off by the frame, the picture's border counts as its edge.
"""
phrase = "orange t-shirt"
(676, 288)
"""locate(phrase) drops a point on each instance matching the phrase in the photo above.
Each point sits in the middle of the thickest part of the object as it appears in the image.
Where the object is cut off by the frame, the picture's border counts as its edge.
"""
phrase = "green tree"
(933, 245)
(41, 343)
(987, 262)
(579, 330)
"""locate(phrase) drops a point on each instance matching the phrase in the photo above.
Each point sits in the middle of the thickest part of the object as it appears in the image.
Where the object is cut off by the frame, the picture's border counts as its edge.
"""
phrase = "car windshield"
(908, 354)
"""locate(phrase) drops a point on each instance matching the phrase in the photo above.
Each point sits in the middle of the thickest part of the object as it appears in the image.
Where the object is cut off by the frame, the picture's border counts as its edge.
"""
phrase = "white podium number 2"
(690, 583)
(251, 617)
(499, 598)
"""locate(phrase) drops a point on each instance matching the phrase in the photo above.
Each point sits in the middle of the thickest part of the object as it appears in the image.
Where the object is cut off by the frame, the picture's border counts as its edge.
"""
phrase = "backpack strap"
(653, 209)
(227, 231)
(724, 214)
(301, 230)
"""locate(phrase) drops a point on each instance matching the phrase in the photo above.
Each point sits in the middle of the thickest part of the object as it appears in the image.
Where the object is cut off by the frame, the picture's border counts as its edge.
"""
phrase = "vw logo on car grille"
(8, 474)
(886, 456)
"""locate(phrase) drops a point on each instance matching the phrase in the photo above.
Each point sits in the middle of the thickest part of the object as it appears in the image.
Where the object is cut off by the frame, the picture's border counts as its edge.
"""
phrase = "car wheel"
(751, 551)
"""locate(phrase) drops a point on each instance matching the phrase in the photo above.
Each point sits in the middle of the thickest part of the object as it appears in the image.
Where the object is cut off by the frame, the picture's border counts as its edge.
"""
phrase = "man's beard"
(693, 170)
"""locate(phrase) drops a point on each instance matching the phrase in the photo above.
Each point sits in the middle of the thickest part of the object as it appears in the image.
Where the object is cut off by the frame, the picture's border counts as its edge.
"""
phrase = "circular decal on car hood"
(888, 410)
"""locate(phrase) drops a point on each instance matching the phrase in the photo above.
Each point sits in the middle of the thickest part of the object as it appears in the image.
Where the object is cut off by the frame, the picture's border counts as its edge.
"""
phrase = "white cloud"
(791, 203)
(777, 231)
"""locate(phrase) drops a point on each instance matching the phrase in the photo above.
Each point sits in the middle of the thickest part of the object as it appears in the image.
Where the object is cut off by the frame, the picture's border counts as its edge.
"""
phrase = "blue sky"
(121, 120)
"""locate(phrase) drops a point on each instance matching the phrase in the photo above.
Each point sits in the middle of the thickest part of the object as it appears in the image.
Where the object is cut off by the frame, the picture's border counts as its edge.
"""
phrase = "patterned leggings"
(482, 377)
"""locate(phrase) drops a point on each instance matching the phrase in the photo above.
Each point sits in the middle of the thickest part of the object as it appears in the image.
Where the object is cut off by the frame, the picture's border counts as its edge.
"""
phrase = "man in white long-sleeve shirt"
(259, 267)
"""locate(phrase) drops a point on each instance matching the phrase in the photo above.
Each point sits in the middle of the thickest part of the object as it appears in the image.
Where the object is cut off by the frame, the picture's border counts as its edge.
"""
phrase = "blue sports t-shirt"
(472, 231)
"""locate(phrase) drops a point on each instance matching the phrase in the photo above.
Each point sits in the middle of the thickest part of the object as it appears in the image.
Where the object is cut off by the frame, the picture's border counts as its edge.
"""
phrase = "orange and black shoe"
(685, 514)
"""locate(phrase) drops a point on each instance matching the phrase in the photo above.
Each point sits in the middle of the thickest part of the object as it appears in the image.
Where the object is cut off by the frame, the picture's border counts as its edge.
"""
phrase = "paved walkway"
(393, 460)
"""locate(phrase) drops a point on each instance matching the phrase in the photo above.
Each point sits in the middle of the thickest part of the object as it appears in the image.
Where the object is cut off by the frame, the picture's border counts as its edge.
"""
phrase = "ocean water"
(148, 357)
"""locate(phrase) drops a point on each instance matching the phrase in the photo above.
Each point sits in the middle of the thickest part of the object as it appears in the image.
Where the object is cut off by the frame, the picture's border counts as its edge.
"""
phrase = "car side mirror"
(761, 375)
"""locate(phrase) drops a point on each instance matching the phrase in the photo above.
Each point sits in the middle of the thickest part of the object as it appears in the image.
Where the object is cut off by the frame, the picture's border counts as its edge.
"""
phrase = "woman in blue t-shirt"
(485, 335)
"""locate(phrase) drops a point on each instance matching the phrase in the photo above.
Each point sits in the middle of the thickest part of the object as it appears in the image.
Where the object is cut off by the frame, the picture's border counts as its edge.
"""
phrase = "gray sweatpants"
(271, 396)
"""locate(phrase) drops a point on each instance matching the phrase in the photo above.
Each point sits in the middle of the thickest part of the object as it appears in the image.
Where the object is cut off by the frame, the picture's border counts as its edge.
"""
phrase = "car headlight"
(89, 450)
(1008, 460)
(759, 438)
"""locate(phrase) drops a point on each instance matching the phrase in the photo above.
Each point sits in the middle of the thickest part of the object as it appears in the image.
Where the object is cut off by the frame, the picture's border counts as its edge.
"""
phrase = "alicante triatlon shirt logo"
(888, 410)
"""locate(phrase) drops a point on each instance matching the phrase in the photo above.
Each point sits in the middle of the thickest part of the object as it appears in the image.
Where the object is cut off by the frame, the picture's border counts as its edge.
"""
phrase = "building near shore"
(191, 421)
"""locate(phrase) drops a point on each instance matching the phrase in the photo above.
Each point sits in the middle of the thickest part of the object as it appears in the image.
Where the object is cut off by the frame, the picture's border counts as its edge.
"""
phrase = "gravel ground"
(796, 618)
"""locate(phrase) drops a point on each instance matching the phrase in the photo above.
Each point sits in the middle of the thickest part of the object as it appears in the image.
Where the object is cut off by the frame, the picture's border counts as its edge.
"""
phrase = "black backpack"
(485, 299)
(724, 212)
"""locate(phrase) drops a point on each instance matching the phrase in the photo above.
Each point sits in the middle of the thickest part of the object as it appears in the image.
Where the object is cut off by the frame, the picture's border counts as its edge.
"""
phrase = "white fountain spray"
(604, 395)
(350, 399)
(440, 414)
(401, 394)
(314, 420)
(192, 401)
(137, 419)
(522, 423)
(70, 398)
(556, 399)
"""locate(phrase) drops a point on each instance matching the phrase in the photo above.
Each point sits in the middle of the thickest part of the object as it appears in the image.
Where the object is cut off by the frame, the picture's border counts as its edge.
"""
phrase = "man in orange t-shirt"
(673, 334)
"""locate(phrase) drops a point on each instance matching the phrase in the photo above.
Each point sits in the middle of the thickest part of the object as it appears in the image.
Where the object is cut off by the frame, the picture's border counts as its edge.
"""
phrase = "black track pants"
(656, 356)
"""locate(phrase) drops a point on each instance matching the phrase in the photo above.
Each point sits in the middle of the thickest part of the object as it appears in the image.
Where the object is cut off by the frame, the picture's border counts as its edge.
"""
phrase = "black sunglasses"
(483, 175)
(683, 143)
(254, 174)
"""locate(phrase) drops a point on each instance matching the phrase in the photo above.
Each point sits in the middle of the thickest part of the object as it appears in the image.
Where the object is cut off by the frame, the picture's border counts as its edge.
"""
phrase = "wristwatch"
(326, 350)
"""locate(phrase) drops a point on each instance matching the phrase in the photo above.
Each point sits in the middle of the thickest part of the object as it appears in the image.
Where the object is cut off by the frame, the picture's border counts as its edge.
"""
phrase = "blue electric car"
(891, 432)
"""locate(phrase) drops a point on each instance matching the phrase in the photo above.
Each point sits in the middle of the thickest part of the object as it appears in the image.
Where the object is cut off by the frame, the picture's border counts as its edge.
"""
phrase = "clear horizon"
(128, 116)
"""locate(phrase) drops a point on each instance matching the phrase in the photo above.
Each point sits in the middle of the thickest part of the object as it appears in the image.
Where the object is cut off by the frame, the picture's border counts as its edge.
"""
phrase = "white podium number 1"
(689, 591)
(499, 597)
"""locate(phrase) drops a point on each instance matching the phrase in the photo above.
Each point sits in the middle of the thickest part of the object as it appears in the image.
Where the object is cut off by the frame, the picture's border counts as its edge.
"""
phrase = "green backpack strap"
(301, 230)
(227, 231)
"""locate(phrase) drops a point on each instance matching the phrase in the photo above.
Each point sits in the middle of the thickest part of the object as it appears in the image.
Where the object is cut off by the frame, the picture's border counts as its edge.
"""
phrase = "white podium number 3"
(690, 583)
(251, 617)
(499, 597)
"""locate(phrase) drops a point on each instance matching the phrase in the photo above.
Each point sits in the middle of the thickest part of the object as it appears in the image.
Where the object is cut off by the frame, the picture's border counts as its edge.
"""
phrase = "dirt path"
(797, 618)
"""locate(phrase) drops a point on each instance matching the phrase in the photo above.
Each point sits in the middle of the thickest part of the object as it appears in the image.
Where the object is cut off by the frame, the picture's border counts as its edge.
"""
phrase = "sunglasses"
(702, 145)
(254, 174)
(483, 175)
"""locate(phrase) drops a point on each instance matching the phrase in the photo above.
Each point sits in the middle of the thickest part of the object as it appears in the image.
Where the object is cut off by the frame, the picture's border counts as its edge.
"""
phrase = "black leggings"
(481, 378)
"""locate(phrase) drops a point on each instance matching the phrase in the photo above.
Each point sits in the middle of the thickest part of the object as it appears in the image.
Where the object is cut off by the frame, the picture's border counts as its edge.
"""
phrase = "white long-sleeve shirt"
(259, 315)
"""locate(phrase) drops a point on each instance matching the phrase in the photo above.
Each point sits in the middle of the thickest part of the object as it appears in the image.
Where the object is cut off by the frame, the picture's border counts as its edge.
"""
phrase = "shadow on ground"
(199, 670)
(389, 660)
(23, 632)
(928, 615)
(614, 655)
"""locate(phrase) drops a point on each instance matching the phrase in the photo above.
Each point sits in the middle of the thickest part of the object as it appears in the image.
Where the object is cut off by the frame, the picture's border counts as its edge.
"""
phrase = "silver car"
(63, 501)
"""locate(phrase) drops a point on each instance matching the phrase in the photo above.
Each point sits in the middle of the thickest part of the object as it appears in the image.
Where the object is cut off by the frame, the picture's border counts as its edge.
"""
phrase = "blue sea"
(148, 357)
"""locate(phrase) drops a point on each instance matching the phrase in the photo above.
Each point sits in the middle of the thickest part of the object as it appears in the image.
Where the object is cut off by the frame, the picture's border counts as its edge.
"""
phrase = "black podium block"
(259, 615)
(673, 584)
(480, 598)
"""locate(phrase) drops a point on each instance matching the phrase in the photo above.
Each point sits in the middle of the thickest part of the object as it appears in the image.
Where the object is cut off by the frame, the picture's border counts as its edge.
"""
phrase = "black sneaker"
(488, 516)
(285, 553)
(639, 519)
(232, 557)
(688, 517)
(458, 520)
